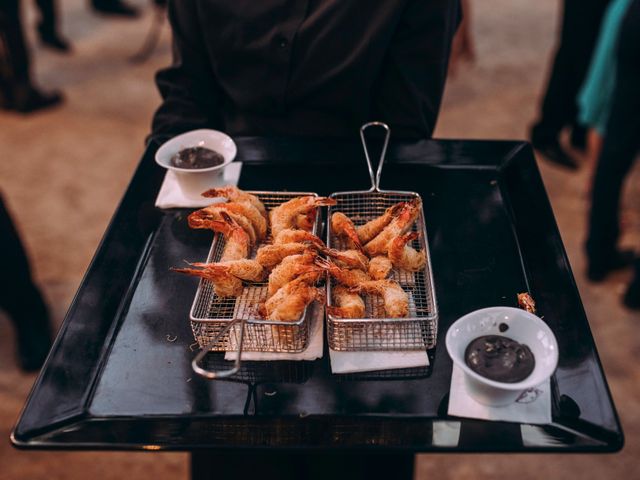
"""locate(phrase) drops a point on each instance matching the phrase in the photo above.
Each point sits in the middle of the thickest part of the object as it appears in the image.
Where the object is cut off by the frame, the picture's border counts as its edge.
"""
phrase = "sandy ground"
(75, 163)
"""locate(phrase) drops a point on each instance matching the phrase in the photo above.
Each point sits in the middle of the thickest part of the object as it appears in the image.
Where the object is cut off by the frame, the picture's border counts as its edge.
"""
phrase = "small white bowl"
(194, 181)
(522, 326)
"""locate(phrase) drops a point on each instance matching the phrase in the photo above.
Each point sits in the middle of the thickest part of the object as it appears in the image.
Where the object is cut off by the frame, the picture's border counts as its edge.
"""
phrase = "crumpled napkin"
(172, 196)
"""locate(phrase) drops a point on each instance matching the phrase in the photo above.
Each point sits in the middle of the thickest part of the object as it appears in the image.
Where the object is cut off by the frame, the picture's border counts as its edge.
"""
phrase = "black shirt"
(305, 67)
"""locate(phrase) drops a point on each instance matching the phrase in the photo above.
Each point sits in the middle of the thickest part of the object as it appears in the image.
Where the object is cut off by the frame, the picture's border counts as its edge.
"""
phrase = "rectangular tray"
(375, 332)
(211, 314)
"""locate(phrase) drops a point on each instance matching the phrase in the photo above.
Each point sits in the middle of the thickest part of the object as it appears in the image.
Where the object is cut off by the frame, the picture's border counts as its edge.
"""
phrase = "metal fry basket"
(232, 323)
(375, 332)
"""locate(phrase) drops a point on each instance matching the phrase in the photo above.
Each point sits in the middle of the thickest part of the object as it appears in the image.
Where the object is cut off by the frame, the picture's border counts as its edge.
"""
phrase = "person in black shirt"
(306, 68)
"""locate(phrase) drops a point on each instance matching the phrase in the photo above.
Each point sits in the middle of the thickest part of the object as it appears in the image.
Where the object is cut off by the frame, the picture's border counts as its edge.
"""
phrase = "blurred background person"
(17, 91)
(619, 149)
(48, 28)
(595, 96)
(21, 298)
(580, 26)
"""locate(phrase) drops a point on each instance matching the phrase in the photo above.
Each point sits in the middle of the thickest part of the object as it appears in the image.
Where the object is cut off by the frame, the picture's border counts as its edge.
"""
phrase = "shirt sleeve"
(408, 91)
(189, 90)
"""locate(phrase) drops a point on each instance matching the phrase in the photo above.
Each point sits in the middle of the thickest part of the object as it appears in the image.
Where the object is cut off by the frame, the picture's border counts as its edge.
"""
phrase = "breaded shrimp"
(345, 276)
(237, 242)
(396, 300)
(289, 302)
(224, 283)
(290, 235)
(201, 218)
(347, 304)
(380, 267)
(271, 255)
(245, 269)
(344, 228)
(290, 268)
(403, 256)
(234, 194)
(400, 224)
(285, 216)
(348, 258)
(245, 209)
(372, 228)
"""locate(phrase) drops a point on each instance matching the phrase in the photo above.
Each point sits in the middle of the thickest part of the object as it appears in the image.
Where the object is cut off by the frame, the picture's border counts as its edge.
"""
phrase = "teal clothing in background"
(594, 99)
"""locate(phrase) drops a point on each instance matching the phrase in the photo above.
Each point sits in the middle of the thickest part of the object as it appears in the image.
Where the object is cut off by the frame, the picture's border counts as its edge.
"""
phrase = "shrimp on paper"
(290, 268)
(398, 226)
(234, 194)
(201, 218)
(224, 283)
(271, 255)
(289, 302)
(380, 267)
(396, 300)
(403, 256)
(347, 304)
(285, 215)
(348, 258)
(343, 227)
(372, 228)
(345, 276)
(290, 235)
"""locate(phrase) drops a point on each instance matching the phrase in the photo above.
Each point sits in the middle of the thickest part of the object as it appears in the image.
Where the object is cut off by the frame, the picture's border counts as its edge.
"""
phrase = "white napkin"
(533, 406)
(352, 362)
(313, 351)
(172, 196)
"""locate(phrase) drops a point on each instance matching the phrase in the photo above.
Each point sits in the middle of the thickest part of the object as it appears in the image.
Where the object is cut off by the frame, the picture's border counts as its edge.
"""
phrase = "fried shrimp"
(345, 276)
(285, 216)
(403, 256)
(396, 300)
(245, 209)
(343, 227)
(234, 194)
(348, 258)
(238, 243)
(372, 228)
(271, 255)
(245, 269)
(347, 304)
(290, 268)
(400, 224)
(380, 267)
(201, 218)
(224, 283)
(290, 235)
(289, 302)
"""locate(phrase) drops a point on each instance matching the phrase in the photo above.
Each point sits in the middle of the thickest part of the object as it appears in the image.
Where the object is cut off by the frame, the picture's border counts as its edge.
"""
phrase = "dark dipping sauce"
(197, 157)
(499, 358)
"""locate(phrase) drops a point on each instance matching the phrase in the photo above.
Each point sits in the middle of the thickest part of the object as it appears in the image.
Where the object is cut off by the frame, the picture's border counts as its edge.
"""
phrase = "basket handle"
(212, 375)
(375, 181)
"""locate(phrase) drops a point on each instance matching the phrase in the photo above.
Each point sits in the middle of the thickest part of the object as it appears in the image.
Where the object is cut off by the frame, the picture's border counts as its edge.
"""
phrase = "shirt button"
(282, 42)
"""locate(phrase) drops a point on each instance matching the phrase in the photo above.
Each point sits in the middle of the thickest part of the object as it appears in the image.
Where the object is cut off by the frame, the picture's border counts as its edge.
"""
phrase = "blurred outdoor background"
(64, 170)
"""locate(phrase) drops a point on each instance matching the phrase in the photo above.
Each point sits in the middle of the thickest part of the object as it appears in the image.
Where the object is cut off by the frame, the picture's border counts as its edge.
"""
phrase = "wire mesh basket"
(376, 332)
(233, 323)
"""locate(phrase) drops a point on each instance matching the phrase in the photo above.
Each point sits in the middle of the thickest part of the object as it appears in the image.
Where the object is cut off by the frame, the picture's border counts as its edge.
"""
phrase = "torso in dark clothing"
(312, 68)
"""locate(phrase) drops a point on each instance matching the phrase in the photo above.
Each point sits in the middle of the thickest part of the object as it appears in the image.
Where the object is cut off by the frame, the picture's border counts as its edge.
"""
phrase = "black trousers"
(580, 28)
(19, 296)
(14, 57)
(621, 142)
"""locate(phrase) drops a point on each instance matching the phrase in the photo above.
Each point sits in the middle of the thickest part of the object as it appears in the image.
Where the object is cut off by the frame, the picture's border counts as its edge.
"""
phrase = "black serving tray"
(119, 374)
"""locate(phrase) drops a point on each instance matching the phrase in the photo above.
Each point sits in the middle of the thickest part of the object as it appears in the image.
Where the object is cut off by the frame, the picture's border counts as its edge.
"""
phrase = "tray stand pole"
(212, 375)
